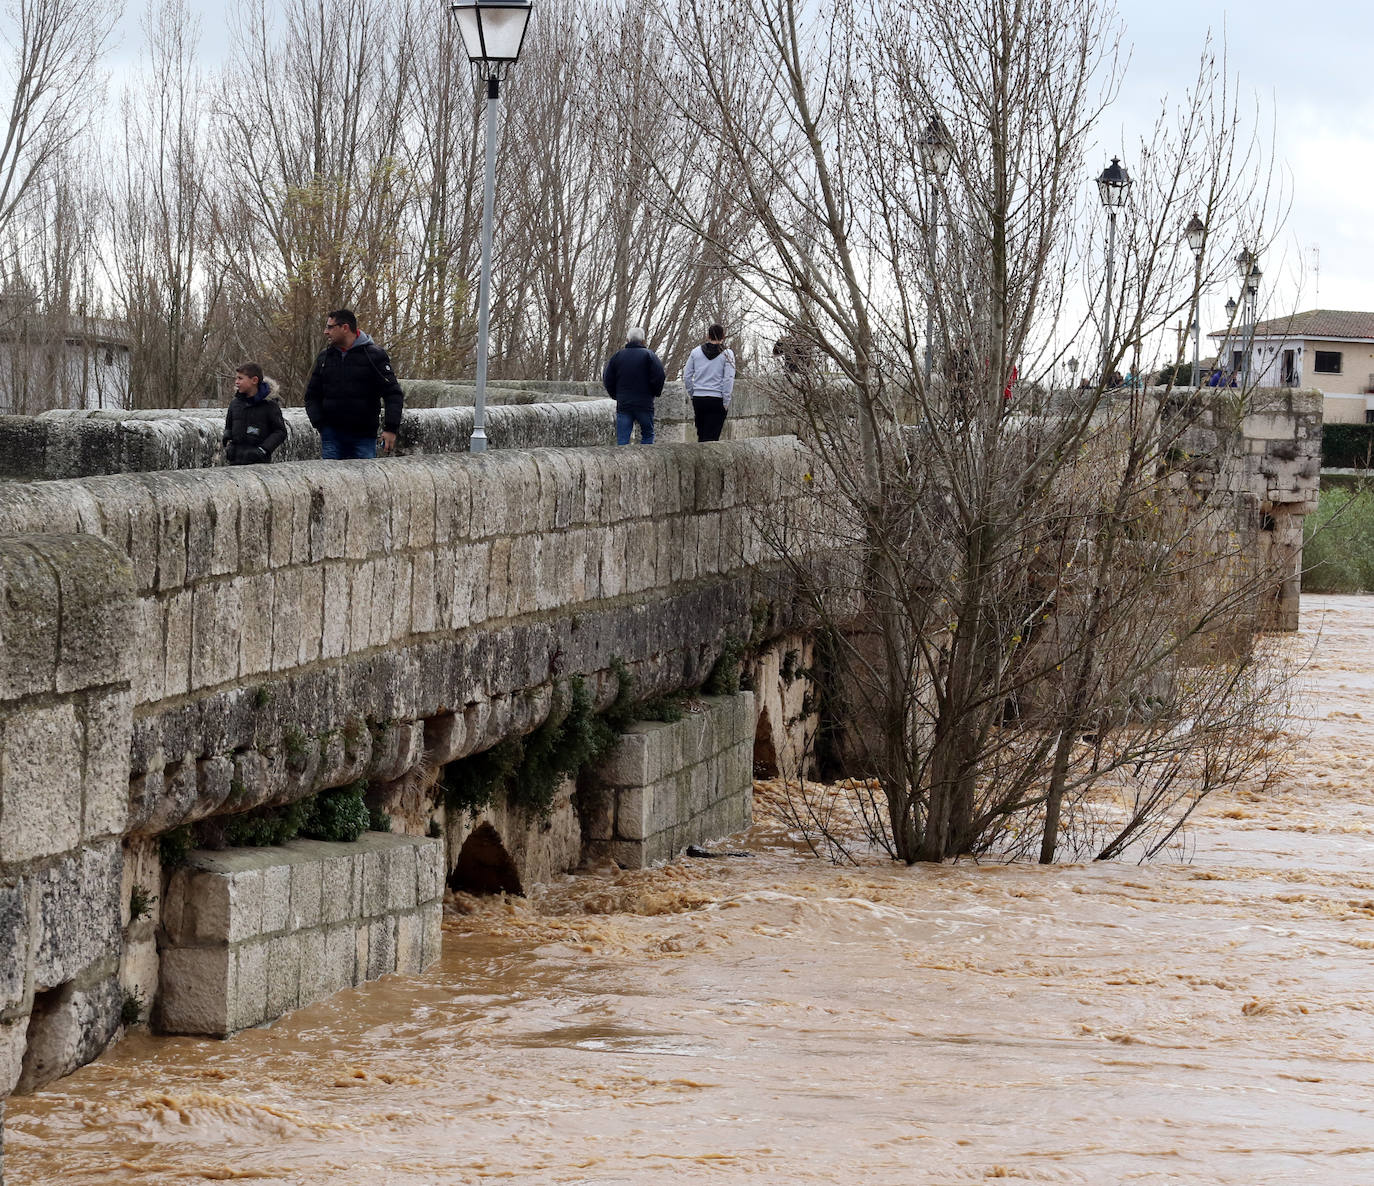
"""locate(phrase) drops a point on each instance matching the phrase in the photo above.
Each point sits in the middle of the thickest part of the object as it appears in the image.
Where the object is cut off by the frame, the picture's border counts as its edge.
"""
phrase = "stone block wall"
(250, 934)
(666, 786)
(298, 627)
(1262, 449)
(186, 644)
(76, 444)
(67, 612)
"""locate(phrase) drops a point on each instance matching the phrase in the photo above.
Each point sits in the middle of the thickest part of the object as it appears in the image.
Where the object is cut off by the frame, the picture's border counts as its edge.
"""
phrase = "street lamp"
(1247, 264)
(1196, 234)
(493, 33)
(936, 156)
(1112, 187)
(1230, 321)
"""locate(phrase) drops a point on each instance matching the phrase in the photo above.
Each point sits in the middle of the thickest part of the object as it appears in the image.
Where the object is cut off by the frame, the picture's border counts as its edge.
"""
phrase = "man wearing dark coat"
(634, 379)
(351, 384)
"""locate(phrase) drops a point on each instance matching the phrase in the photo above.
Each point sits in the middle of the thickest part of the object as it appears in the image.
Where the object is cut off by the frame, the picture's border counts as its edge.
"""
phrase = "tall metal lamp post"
(1196, 234)
(1247, 264)
(936, 157)
(493, 33)
(1112, 186)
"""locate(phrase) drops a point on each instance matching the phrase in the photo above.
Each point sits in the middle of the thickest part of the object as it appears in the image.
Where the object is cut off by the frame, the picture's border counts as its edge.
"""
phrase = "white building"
(1331, 350)
(82, 364)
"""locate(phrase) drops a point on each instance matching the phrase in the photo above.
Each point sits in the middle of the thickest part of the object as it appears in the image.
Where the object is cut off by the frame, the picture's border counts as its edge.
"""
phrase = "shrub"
(471, 785)
(1338, 542)
(724, 679)
(621, 712)
(140, 903)
(174, 846)
(131, 1009)
(1348, 446)
(527, 770)
(267, 826)
(663, 708)
(338, 814)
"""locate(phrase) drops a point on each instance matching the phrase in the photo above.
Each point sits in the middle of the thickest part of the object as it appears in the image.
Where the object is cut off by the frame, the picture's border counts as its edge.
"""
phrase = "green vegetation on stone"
(724, 679)
(528, 770)
(174, 845)
(140, 903)
(339, 814)
(1348, 446)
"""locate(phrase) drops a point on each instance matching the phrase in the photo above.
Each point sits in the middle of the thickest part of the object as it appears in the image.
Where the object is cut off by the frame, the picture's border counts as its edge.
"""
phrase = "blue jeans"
(343, 446)
(624, 426)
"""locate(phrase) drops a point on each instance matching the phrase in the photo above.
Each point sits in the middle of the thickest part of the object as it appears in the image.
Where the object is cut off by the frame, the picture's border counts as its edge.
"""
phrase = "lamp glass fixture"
(493, 31)
(1113, 185)
(1195, 232)
(935, 149)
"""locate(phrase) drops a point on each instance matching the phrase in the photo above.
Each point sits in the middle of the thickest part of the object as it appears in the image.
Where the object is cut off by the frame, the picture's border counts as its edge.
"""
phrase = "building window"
(1328, 362)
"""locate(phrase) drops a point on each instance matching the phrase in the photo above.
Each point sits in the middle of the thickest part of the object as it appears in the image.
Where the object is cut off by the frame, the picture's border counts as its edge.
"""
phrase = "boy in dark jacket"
(253, 427)
(634, 379)
(348, 388)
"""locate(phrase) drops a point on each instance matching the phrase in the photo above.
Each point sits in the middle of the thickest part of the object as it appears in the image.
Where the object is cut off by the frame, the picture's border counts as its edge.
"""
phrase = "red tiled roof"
(1315, 323)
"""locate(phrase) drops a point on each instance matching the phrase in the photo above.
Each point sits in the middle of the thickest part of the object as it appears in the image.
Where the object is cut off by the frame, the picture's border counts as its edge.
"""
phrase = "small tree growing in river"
(1053, 602)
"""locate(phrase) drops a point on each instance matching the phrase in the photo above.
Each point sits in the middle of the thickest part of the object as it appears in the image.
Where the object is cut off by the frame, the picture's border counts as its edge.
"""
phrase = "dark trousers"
(344, 446)
(709, 413)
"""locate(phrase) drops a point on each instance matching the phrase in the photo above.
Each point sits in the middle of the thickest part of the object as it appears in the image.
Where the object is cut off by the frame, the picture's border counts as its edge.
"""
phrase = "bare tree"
(54, 48)
(1028, 575)
(167, 285)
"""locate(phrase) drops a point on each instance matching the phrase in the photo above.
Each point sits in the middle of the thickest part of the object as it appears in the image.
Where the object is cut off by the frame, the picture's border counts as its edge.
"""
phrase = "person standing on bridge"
(351, 384)
(709, 378)
(634, 379)
(253, 426)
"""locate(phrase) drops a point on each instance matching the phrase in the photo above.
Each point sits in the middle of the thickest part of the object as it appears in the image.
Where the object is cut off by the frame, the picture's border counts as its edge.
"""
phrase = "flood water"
(777, 1019)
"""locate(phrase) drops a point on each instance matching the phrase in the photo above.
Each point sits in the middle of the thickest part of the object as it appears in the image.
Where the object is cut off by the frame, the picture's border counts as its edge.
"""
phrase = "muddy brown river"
(1205, 1019)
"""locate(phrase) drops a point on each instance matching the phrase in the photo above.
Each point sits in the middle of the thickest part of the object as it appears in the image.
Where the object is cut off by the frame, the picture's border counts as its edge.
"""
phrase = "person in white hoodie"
(710, 379)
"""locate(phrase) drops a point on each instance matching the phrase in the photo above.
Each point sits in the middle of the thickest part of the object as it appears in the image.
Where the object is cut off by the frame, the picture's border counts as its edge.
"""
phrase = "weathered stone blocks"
(250, 934)
(666, 786)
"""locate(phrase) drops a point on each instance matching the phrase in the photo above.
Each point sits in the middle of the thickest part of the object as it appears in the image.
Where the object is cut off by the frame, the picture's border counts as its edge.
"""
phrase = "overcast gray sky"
(1311, 66)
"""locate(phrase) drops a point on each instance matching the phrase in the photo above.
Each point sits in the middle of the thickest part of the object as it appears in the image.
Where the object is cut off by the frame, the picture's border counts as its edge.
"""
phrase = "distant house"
(76, 362)
(1331, 350)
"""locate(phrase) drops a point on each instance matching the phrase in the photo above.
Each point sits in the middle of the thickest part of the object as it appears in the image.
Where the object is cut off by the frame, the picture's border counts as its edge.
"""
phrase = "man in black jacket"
(634, 378)
(348, 388)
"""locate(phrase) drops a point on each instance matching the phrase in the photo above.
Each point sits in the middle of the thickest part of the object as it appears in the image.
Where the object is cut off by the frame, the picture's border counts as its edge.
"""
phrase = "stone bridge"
(188, 642)
(182, 644)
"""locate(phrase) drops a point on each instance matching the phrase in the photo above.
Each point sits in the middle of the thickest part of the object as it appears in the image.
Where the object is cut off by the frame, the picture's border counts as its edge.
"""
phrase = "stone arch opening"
(765, 754)
(48, 1034)
(484, 866)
